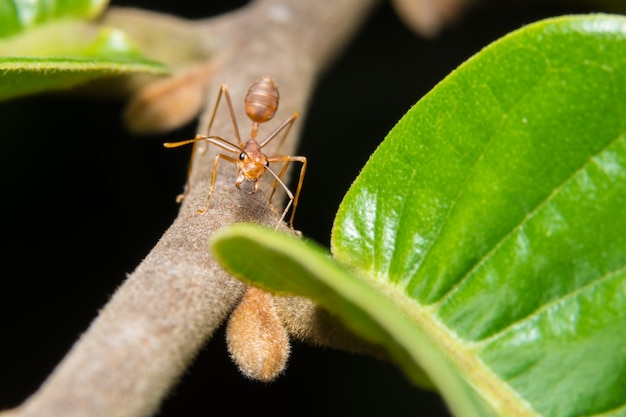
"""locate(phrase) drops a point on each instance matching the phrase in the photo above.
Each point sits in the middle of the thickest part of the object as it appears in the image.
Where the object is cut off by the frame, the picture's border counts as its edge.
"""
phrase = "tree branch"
(155, 323)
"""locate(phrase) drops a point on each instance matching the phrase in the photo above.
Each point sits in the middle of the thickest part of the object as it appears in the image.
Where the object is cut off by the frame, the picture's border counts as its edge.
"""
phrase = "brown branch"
(153, 326)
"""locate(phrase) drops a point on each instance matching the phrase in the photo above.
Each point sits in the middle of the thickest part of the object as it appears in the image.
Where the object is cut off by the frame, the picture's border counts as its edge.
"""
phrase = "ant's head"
(251, 168)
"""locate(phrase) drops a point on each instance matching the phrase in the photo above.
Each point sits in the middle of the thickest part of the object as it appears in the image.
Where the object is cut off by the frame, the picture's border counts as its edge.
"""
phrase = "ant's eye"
(242, 156)
(267, 163)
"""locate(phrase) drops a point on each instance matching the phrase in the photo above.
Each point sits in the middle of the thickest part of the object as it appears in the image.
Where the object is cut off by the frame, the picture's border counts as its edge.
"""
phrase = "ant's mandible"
(261, 104)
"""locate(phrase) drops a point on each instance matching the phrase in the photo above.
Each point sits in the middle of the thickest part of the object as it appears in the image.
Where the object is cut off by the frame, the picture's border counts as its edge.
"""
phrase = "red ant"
(261, 104)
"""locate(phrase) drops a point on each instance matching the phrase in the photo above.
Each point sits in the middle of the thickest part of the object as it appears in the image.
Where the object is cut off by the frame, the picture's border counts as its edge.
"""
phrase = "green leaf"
(487, 231)
(65, 54)
(498, 204)
(19, 15)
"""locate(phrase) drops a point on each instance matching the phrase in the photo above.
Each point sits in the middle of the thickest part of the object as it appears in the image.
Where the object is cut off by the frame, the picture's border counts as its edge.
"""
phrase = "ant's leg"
(217, 104)
(293, 198)
(181, 197)
(233, 119)
(301, 159)
(284, 125)
(292, 119)
(289, 194)
(223, 91)
(231, 111)
(194, 148)
(217, 158)
(276, 182)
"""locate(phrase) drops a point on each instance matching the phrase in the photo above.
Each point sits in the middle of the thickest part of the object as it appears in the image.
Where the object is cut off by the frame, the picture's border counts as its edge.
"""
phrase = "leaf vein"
(545, 307)
(549, 197)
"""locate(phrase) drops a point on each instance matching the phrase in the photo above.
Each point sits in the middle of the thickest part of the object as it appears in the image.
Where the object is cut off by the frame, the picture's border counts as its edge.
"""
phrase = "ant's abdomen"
(262, 100)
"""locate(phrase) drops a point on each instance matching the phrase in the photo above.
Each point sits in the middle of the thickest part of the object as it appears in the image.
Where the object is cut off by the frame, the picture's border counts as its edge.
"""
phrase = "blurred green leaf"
(19, 15)
(65, 54)
(492, 219)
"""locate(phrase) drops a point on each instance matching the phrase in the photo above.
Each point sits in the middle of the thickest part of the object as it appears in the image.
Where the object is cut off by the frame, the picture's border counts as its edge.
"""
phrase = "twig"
(145, 337)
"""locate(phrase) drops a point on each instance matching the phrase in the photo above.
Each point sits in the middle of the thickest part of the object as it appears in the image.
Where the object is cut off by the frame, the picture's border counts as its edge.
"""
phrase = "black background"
(61, 260)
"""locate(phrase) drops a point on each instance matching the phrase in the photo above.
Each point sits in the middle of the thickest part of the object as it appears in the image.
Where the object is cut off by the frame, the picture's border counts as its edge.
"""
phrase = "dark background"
(62, 261)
